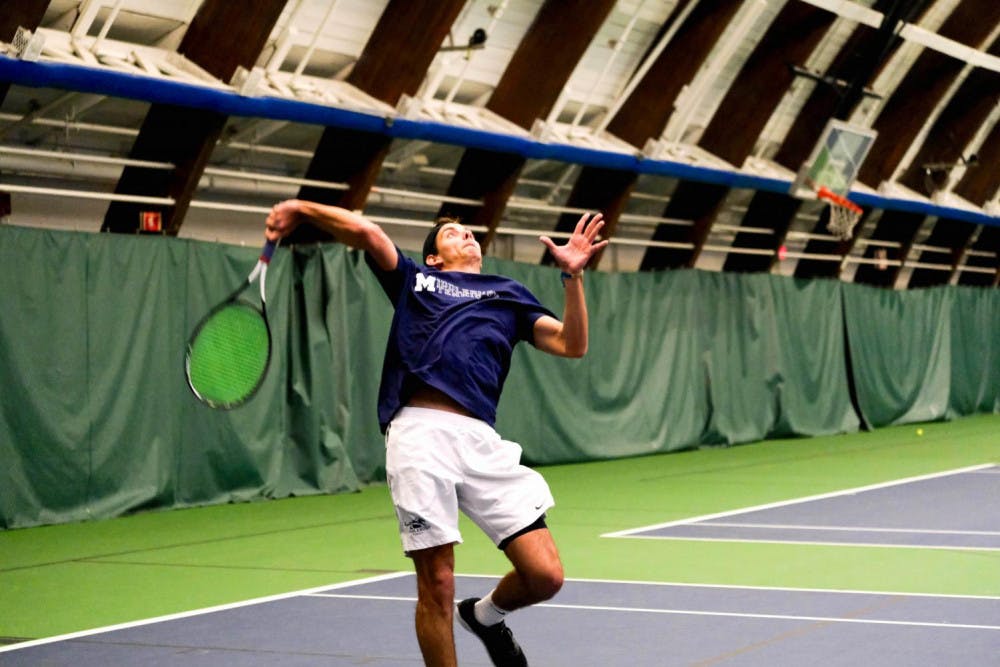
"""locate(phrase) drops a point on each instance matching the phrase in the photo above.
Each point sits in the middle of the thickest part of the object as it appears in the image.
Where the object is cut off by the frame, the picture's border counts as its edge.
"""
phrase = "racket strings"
(229, 355)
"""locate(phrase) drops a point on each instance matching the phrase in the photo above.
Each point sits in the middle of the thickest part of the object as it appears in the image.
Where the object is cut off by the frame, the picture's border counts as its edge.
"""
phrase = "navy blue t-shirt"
(454, 331)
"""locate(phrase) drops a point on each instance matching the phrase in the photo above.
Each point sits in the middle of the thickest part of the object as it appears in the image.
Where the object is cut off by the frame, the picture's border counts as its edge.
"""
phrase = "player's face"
(457, 248)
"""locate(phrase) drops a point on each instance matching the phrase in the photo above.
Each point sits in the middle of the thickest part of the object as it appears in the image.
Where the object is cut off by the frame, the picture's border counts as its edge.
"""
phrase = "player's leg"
(508, 502)
(435, 603)
(421, 481)
(537, 575)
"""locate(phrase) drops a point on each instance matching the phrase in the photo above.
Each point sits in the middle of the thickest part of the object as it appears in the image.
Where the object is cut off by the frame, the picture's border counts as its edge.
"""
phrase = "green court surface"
(60, 579)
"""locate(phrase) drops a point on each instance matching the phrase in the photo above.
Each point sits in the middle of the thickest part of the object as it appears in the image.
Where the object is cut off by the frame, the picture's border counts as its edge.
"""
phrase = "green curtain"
(679, 359)
(45, 425)
(900, 345)
(975, 353)
(96, 419)
(641, 388)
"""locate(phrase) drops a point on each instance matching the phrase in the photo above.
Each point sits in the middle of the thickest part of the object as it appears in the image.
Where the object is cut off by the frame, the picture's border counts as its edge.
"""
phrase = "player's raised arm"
(569, 337)
(346, 226)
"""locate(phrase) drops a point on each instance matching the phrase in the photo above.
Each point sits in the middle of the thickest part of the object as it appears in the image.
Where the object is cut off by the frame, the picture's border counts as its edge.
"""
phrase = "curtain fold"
(901, 352)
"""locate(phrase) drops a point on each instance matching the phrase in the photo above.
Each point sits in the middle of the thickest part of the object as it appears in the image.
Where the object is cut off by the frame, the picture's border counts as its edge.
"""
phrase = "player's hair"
(430, 243)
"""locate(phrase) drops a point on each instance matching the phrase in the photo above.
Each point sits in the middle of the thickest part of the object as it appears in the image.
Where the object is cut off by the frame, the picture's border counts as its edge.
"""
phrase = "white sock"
(488, 613)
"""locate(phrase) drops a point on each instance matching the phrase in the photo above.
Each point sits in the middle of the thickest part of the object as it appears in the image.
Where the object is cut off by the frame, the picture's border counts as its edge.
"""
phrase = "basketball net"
(844, 213)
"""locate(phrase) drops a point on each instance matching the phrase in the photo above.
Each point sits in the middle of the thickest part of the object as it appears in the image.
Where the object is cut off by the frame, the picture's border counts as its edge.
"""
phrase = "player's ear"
(433, 261)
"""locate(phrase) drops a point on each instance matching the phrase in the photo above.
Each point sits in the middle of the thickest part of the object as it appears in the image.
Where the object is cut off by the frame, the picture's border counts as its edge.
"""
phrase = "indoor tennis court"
(321, 580)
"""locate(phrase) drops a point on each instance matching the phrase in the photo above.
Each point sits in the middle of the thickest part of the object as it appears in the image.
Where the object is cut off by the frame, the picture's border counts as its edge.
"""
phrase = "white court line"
(198, 612)
(349, 596)
(679, 584)
(631, 532)
(815, 543)
(850, 529)
(780, 617)
(700, 612)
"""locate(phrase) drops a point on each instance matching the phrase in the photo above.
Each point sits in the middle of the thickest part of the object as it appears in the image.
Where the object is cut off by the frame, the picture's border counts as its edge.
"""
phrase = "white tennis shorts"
(439, 462)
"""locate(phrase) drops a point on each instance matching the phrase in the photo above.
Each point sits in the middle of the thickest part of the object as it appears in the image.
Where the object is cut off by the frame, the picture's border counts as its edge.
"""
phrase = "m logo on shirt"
(424, 283)
(435, 285)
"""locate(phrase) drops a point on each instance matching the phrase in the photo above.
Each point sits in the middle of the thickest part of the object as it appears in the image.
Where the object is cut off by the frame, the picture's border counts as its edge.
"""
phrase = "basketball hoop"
(844, 213)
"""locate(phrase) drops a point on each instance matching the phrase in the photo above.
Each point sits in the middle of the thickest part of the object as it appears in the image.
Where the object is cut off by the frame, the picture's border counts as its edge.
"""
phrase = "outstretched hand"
(574, 256)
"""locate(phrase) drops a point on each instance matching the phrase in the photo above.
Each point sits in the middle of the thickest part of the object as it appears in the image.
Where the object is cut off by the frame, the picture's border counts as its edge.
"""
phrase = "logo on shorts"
(416, 524)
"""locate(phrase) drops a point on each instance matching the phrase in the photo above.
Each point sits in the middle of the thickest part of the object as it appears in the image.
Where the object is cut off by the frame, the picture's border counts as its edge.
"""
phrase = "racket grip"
(267, 251)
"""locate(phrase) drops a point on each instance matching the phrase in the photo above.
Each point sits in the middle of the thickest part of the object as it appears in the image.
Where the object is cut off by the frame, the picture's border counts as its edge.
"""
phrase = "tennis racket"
(228, 352)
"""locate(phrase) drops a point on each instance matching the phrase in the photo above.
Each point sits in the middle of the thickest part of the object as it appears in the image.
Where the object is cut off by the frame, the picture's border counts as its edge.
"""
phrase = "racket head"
(228, 354)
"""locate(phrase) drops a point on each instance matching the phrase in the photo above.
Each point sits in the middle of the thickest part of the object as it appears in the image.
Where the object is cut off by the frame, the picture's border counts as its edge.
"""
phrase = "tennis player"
(449, 351)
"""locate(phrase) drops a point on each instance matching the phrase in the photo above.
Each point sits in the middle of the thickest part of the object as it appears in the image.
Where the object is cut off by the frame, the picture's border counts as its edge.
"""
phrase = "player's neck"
(463, 267)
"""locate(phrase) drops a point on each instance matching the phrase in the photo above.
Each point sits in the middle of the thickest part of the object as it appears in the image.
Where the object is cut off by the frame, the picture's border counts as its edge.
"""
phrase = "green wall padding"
(923, 355)
(975, 355)
(682, 358)
(96, 419)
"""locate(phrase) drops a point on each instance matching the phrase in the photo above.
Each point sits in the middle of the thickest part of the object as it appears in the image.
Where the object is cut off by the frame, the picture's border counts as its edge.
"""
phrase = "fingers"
(549, 243)
(280, 221)
(589, 228)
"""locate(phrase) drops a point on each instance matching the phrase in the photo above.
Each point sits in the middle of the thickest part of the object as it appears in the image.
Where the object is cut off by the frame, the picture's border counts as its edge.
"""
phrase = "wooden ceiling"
(726, 94)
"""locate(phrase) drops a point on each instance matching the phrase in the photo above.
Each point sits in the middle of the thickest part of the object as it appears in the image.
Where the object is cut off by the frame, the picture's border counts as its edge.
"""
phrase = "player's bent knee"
(546, 583)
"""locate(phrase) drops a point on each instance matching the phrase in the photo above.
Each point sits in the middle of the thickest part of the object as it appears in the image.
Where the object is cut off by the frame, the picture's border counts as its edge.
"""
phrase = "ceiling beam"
(952, 131)
(979, 184)
(737, 124)
(645, 113)
(942, 152)
(397, 55)
(548, 53)
(522, 96)
(394, 62)
(862, 55)
(922, 89)
(222, 36)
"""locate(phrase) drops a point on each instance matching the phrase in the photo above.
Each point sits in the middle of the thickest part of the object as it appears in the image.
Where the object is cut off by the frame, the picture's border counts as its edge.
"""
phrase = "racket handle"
(267, 251)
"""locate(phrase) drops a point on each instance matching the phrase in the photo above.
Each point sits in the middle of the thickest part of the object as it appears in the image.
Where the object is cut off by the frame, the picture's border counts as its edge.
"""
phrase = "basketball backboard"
(835, 161)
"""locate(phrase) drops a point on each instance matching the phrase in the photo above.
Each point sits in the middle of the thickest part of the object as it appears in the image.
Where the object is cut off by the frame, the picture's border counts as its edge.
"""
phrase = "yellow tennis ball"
(920, 431)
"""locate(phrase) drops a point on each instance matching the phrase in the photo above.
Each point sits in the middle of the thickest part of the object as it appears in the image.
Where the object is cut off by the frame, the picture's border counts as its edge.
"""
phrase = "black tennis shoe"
(498, 639)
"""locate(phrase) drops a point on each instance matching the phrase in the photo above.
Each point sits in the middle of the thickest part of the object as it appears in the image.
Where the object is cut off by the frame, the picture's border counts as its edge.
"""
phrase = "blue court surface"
(626, 623)
(370, 622)
(958, 509)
